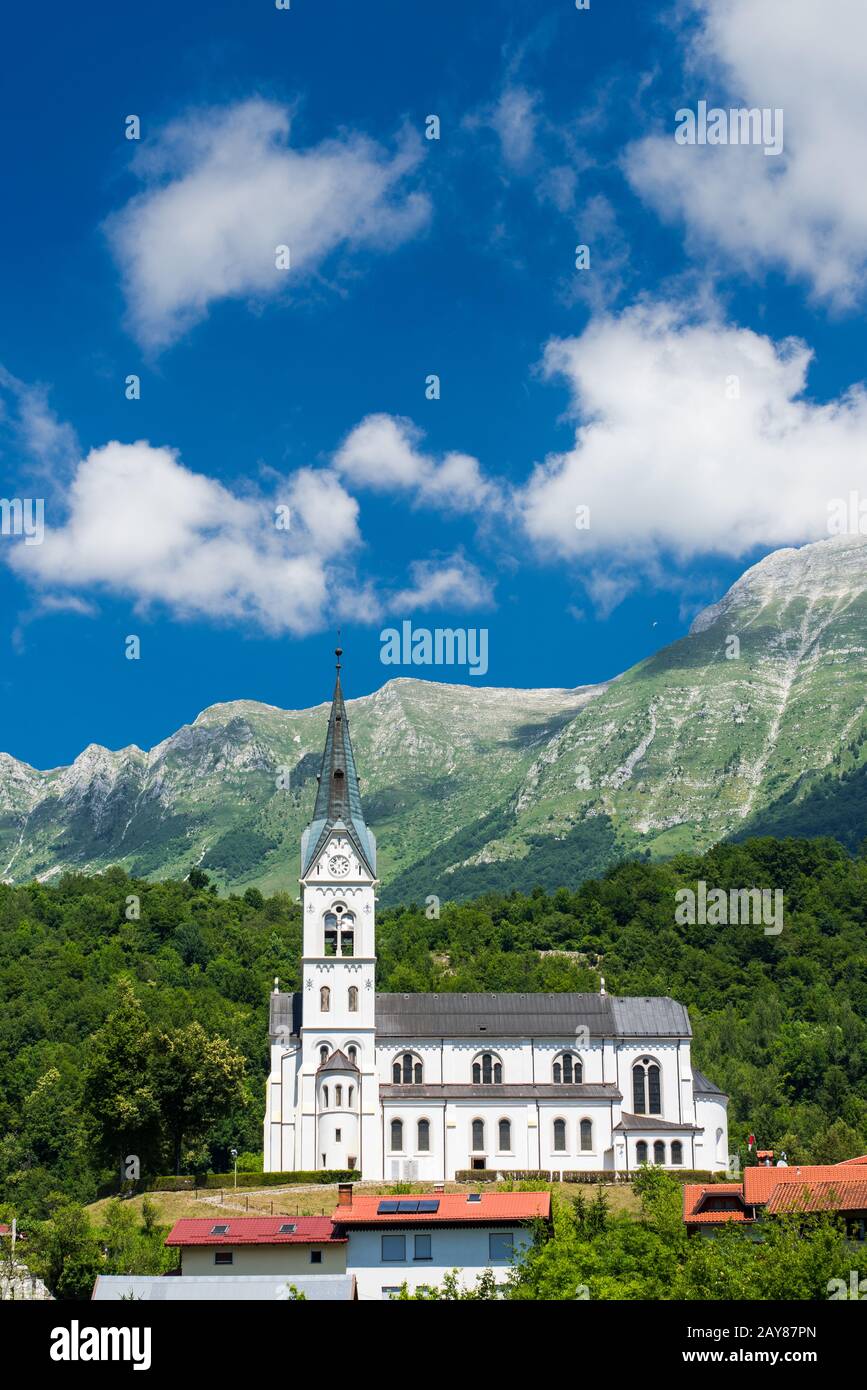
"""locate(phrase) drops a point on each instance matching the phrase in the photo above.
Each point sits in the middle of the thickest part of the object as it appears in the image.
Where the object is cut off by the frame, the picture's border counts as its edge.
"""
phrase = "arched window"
(330, 934)
(586, 1136)
(659, 1152)
(646, 1088)
(324, 999)
(323, 1053)
(478, 1136)
(487, 1070)
(325, 1096)
(641, 1152)
(560, 1136)
(397, 1136)
(505, 1136)
(338, 1097)
(567, 1069)
(676, 1153)
(353, 999)
(423, 1136)
(339, 931)
(406, 1070)
(352, 1053)
(350, 1095)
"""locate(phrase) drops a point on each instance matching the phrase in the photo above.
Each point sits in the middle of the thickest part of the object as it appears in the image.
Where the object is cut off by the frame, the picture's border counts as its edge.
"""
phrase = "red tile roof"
(760, 1182)
(841, 1195)
(453, 1208)
(693, 1194)
(847, 1161)
(253, 1230)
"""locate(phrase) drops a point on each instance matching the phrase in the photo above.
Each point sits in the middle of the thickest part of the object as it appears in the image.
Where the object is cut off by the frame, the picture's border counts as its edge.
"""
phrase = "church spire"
(338, 798)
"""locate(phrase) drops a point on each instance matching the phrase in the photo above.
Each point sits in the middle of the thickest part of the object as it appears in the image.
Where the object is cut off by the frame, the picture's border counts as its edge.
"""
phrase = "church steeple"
(338, 798)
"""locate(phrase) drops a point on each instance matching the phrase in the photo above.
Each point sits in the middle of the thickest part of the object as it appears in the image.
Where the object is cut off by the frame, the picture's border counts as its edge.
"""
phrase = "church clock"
(338, 865)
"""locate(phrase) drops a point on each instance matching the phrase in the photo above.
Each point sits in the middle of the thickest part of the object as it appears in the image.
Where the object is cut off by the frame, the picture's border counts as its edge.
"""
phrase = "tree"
(118, 1096)
(66, 1253)
(195, 1079)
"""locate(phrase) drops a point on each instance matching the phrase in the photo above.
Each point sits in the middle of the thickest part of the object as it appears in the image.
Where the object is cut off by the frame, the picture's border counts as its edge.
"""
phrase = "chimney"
(344, 1194)
(439, 1187)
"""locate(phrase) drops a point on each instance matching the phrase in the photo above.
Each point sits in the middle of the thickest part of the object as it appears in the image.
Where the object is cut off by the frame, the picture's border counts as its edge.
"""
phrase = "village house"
(766, 1190)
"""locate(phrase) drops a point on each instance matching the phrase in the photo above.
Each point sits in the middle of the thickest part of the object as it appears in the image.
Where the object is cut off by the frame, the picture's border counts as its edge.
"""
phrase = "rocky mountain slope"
(762, 706)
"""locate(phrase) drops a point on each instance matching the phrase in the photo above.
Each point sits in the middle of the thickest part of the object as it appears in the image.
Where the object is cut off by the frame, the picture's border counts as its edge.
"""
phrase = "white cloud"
(48, 447)
(141, 524)
(670, 465)
(452, 581)
(515, 121)
(382, 453)
(805, 210)
(224, 188)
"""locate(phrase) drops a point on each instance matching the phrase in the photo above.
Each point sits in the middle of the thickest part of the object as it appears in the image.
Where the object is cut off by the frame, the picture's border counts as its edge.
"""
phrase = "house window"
(423, 1136)
(422, 1248)
(567, 1069)
(353, 999)
(397, 1136)
(487, 1070)
(560, 1136)
(316, 1257)
(478, 1136)
(676, 1152)
(659, 1152)
(337, 1134)
(505, 1136)
(323, 1053)
(586, 1136)
(393, 1249)
(224, 1257)
(646, 1088)
(324, 999)
(390, 1291)
(641, 1152)
(406, 1070)
(501, 1245)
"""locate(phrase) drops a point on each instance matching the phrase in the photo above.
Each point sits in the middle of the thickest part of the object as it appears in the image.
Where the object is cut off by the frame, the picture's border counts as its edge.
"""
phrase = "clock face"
(338, 865)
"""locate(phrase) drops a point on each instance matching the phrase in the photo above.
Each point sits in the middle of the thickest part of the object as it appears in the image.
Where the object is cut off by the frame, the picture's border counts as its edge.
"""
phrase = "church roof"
(405, 1016)
(528, 1016)
(338, 798)
(701, 1086)
(338, 1061)
(588, 1090)
(636, 1123)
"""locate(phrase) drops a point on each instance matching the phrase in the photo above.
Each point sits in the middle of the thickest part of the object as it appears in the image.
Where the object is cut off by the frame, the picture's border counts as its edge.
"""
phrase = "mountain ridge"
(767, 691)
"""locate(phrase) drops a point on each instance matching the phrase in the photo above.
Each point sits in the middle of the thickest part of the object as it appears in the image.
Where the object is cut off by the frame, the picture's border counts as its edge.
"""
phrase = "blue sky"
(306, 387)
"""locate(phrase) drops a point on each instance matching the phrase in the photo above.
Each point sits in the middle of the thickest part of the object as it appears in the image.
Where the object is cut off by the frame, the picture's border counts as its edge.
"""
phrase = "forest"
(133, 1014)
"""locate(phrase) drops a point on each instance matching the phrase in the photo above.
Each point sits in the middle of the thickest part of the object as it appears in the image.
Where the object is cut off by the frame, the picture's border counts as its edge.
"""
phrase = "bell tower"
(338, 966)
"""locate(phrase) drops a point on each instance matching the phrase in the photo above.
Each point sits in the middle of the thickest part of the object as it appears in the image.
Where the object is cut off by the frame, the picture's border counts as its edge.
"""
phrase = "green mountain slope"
(756, 721)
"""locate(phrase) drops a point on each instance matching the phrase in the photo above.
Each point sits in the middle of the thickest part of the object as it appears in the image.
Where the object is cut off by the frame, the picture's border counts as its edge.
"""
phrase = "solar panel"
(387, 1208)
(428, 1206)
(407, 1206)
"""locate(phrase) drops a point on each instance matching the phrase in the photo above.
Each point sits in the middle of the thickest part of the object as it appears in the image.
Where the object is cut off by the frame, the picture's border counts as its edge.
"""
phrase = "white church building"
(419, 1086)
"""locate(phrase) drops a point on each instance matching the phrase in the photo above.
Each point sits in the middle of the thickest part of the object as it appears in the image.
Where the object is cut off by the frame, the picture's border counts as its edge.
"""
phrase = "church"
(421, 1086)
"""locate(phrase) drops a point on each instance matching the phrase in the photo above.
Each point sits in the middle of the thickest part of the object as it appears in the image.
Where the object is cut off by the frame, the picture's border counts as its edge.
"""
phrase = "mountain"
(753, 723)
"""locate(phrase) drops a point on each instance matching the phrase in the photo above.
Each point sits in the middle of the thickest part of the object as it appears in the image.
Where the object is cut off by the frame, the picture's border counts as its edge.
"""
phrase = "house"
(423, 1086)
(840, 1188)
(199, 1288)
(277, 1246)
(417, 1240)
